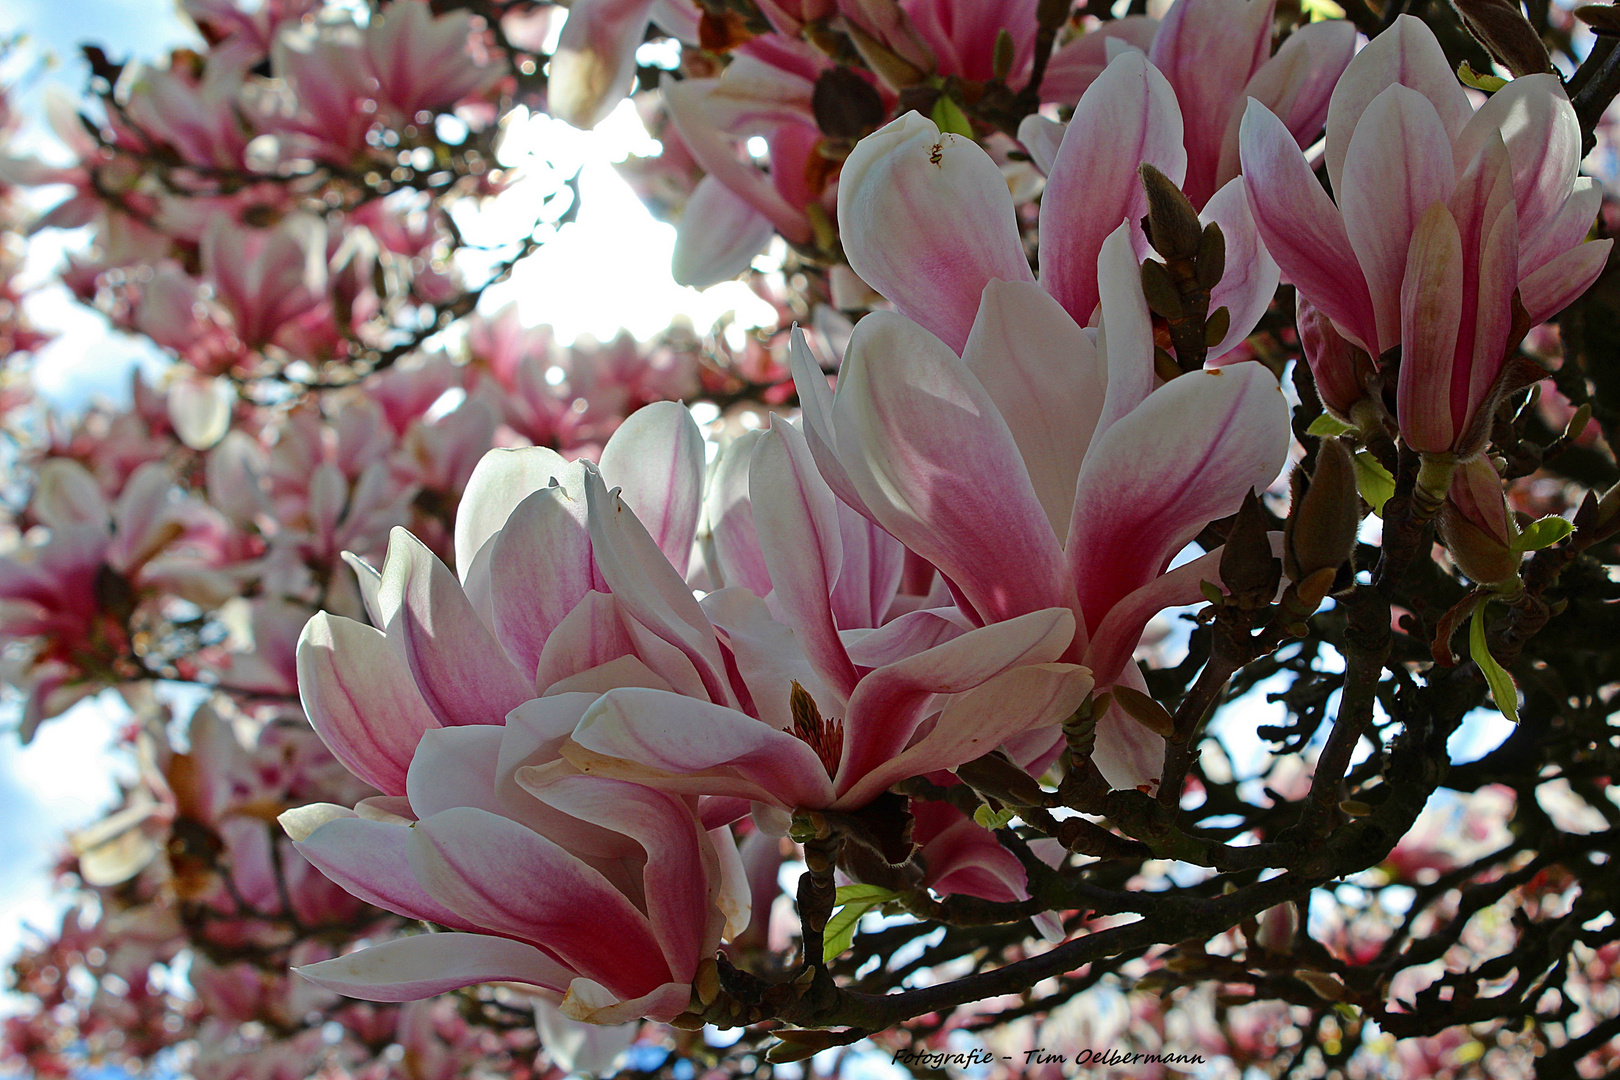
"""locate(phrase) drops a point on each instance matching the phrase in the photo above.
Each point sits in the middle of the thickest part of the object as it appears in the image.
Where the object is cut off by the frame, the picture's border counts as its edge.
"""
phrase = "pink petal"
(455, 767)
(1296, 85)
(541, 567)
(648, 589)
(890, 702)
(676, 743)
(681, 872)
(1206, 50)
(1129, 756)
(1564, 278)
(1535, 119)
(796, 517)
(1129, 116)
(1431, 309)
(934, 463)
(906, 635)
(1075, 66)
(816, 419)
(591, 1003)
(361, 700)
(1124, 331)
(732, 552)
(1398, 165)
(656, 460)
(965, 857)
(1407, 54)
(1562, 231)
(1186, 456)
(895, 193)
(1110, 649)
(367, 858)
(1046, 380)
(513, 881)
(1250, 281)
(590, 634)
(501, 480)
(768, 656)
(1484, 209)
(594, 66)
(719, 235)
(534, 736)
(1302, 228)
(975, 723)
(425, 965)
(870, 576)
(459, 667)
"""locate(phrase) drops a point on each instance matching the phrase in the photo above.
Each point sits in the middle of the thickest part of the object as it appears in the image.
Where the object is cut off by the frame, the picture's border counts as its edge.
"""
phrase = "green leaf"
(992, 819)
(1375, 482)
(1320, 10)
(1327, 425)
(1490, 84)
(949, 117)
(855, 901)
(1496, 676)
(1544, 532)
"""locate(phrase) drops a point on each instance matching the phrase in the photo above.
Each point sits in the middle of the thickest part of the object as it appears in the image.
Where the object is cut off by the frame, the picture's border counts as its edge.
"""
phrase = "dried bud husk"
(1248, 568)
(722, 31)
(1321, 530)
(888, 65)
(995, 775)
(846, 106)
(1506, 34)
(1172, 223)
(1145, 711)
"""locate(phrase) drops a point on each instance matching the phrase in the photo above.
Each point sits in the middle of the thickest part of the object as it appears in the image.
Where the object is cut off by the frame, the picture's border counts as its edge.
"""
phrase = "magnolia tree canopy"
(1147, 604)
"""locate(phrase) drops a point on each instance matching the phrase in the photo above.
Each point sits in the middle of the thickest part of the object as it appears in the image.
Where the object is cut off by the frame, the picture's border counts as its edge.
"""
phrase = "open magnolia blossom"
(1450, 231)
(1030, 466)
(901, 183)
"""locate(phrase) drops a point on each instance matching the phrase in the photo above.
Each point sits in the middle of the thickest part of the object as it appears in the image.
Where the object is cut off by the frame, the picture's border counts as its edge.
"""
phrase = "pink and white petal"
(359, 696)
(1110, 649)
(816, 419)
(1565, 229)
(649, 590)
(1301, 227)
(676, 743)
(768, 655)
(594, 65)
(870, 577)
(1483, 207)
(1296, 84)
(1407, 54)
(734, 897)
(1185, 457)
(1205, 50)
(1431, 309)
(796, 518)
(719, 234)
(1046, 380)
(1128, 117)
(891, 702)
(1562, 279)
(509, 879)
(657, 462)
(369, 580)
(1250, 281)
(590, 1002)
(1398, 165)
(425, 965)
(732, 550)
(974, 723)
(897, 192)
(590, 635)
(1124, 332)
(623, 671)
(542, 563)
(455, 767)
(1075, 66)
(1532, 115)
(1129, 756)
(964, 857)
(681, 872)
(906, 635)
(1041, 137)
(461, 670)
(501, 480)
(936, 466)
(533, 736)
(66, 495)
(367, 858)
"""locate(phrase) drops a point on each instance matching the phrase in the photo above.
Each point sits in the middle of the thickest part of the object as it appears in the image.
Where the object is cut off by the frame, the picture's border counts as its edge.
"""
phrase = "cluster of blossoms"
(499, 639)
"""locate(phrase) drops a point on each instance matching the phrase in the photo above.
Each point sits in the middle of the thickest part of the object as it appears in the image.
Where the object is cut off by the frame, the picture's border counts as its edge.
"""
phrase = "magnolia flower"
(901, 184)
(594, 65)
(1215, 54)
(1445, 220)
(1038, 470)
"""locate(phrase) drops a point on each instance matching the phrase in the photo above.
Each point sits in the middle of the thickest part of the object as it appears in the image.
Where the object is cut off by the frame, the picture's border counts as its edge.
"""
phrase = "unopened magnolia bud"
(1475, 527)
(1211, 260)
(1145, 711)
(1502, 28)
(1173, 225)
(1325, 986)
(1278, 926)
(1326, 513)
(1248, 568)
(1002, 58)
(996, 776)
(1337, 366)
